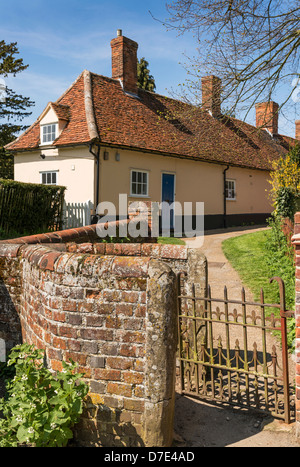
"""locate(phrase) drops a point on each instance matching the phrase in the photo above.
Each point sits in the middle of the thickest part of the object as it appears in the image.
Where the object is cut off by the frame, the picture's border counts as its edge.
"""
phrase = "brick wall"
(10, 295)
(112, 309)
(296, 242)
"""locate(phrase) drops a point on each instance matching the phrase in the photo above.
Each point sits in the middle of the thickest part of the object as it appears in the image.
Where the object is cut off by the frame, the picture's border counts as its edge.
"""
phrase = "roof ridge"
(89, 106)
(69, 88)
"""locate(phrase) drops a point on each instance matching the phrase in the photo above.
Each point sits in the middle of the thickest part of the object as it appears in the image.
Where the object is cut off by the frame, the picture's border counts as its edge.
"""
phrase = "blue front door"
(167, 196)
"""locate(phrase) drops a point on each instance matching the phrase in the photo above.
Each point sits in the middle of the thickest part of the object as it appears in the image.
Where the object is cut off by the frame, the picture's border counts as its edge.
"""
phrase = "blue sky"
(59, 39)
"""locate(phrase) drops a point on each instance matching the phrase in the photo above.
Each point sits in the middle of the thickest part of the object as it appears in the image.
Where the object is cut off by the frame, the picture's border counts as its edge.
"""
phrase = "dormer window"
(48, 133)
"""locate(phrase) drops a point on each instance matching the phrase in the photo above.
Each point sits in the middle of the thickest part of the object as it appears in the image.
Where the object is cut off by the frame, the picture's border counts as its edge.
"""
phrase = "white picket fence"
(77, 214)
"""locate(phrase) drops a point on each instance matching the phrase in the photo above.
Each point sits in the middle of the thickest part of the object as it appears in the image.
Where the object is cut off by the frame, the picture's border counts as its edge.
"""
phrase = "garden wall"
(296, 243)
(112, 309)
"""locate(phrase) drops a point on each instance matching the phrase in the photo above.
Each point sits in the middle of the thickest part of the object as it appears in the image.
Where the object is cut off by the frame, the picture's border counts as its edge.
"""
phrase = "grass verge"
(256, 259)
(170, 241)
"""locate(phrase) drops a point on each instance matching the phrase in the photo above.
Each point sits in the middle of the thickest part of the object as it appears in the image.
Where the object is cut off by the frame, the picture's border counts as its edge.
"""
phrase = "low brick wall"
(112, 309)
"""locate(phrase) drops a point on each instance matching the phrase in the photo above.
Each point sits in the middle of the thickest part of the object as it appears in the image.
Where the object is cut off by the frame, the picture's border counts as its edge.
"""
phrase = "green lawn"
(256, 261)
(252, 257)
(170, 241)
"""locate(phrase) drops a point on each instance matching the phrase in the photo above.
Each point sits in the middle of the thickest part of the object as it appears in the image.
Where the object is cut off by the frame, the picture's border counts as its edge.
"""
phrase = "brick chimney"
(297, 133)
(211, 94)
(124, 62)
(267, 116)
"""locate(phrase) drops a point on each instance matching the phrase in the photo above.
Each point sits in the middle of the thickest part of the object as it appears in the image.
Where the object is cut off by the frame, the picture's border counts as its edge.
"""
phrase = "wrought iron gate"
(218, 361)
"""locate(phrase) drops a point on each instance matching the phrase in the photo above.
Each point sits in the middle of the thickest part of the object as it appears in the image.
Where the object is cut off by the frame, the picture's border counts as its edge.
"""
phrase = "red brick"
(107, 374)
(48, 261)
(119, 363)
(93, 294)
(76, 357)
(131, 377)
(56, 365)
(59, 316)
(59, 343)
(137, 267)
(85, 248)
(69, 305)
(96, 334)
(67, 331)
(113, 322)
(124, 309)
(95, 320)
(119, 389)
(135, 337)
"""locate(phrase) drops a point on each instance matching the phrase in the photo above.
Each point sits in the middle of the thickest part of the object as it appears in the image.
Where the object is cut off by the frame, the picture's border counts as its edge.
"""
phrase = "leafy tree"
(285, 183)
(13, 107)
(252, 45)
(145, 80)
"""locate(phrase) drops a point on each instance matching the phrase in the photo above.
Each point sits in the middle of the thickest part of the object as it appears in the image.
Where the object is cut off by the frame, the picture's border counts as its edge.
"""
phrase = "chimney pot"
(267, 116)
(211, 94)
(119, 32)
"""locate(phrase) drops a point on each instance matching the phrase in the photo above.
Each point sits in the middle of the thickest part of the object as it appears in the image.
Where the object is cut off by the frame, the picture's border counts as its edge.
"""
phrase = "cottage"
(105, 136)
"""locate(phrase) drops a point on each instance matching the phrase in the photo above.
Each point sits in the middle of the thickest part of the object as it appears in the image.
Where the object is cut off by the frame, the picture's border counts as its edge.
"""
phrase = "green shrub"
(29, 207)
(40, 408)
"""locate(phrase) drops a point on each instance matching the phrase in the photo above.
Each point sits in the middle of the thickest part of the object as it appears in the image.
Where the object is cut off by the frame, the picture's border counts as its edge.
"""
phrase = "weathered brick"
(76, 357)
(107, 374)
(59, 343)
(95, 334)
(67, 331)
(97, 320)
(97, 362)
(97, 386)
(134, 405)
(119, 363)
(74, 319)
(119, 389)
(131, 377)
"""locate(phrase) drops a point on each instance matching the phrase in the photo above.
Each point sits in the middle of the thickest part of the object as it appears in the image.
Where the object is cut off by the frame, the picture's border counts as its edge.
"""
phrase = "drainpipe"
(97, 157)
(224, 198)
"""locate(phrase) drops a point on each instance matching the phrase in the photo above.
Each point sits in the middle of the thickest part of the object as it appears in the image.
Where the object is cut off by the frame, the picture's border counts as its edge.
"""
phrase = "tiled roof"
(98, 109)
(62, 111)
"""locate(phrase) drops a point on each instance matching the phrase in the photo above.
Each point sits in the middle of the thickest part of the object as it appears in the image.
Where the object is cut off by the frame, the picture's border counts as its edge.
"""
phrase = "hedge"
(6, 165)
(30, 208)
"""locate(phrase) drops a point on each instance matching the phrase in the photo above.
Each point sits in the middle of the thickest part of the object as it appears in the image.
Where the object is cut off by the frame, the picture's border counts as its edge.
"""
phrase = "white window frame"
(45, 172)
(136, 195)
(232, 190)
(47, 125)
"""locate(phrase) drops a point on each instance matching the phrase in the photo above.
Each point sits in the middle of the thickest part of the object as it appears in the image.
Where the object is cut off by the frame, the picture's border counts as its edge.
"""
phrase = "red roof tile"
(97, 107)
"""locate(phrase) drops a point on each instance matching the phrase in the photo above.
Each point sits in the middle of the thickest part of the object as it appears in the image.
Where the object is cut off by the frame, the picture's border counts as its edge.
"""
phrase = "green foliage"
(285, 183)
(279, 255)
(285, 202)
(15, 105)
(170, 241)
(28, 207)
(6, 165)
(145, 80)
(41, 408)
